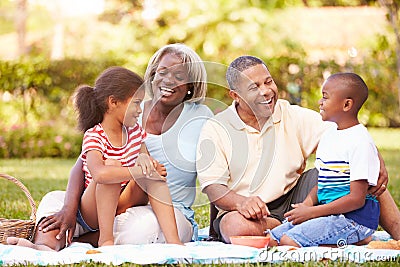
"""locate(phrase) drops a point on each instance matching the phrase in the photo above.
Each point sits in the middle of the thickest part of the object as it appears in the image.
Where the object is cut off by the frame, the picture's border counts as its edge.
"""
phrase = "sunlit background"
(48, 47)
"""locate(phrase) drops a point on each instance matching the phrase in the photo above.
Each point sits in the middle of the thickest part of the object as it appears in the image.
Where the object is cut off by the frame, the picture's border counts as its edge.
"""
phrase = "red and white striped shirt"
(95, 138)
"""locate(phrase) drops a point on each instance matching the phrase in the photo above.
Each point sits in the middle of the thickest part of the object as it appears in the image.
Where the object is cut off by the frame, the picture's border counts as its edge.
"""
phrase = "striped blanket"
(195, 252)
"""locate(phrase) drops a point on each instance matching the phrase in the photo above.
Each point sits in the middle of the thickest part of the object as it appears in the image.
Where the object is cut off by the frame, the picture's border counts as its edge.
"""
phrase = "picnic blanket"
(201, 252)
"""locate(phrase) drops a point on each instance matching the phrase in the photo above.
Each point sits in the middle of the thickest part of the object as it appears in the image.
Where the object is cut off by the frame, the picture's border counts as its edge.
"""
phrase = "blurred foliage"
(37, 117)
(6, 16)
(35, 92)
(320, 3)
(48, 140)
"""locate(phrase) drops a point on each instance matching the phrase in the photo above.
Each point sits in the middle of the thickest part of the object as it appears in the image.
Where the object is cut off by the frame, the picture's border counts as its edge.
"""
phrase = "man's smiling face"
(257, 91)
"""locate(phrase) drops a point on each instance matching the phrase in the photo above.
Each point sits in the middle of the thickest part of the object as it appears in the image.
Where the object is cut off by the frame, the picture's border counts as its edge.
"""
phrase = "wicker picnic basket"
(16, 227)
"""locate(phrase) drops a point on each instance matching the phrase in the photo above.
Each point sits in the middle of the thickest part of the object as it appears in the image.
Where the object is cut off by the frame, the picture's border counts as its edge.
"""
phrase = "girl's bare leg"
(132, 196)
(107, 196)
(98, 208)
(91, 238)
(161, 203)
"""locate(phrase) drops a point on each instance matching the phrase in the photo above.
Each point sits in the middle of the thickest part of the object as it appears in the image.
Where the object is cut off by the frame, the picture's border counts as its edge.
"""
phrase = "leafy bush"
(47, 141)
(37, 118)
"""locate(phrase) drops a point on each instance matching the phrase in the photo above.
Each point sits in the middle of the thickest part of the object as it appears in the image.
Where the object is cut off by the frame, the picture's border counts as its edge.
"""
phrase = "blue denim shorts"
(330, 230)
(81, 221)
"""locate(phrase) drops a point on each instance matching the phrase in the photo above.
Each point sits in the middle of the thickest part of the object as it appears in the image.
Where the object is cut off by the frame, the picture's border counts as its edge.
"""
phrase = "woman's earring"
(189, 92)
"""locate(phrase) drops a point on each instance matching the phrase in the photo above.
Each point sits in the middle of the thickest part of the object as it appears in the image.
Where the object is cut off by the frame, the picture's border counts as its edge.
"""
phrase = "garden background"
(48, 47)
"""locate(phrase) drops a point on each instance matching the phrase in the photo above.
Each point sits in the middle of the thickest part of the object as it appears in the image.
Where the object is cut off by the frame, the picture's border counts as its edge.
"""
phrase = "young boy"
(338, 210)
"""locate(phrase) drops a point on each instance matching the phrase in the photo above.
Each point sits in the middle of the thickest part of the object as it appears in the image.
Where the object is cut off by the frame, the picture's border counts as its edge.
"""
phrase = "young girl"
(108, 114)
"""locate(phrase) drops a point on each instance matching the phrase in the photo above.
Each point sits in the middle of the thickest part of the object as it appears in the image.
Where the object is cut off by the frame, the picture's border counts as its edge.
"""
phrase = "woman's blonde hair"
(193, 63)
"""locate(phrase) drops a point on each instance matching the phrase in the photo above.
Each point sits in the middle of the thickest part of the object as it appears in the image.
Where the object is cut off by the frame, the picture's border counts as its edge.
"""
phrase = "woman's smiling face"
(171, 80)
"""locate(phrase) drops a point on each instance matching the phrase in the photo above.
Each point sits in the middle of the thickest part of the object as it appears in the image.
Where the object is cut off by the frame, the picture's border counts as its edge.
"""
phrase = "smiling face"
(131, 108)
(170, 83)
(257, 92)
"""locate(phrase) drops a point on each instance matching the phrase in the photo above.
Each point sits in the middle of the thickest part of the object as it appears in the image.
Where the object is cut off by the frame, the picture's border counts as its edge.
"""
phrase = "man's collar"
(235, 120)
(277, 115)
(238, 124)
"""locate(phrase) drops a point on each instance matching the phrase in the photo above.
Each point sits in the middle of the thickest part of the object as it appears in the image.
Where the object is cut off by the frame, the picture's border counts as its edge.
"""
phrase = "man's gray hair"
(239, 65)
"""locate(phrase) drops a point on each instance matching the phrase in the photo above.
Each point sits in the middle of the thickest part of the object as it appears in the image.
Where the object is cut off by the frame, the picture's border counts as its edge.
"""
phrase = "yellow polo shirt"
(264, 163)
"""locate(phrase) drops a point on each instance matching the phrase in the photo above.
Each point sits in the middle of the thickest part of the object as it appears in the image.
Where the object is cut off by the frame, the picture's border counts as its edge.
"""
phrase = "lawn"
(45, 174)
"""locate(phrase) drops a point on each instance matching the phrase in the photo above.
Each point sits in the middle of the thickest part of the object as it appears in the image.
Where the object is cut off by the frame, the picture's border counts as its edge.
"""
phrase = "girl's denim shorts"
(330, 230)
(85, 226)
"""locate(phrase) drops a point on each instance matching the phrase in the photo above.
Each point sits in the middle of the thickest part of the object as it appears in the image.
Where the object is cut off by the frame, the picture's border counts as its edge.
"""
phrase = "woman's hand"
(63, 220)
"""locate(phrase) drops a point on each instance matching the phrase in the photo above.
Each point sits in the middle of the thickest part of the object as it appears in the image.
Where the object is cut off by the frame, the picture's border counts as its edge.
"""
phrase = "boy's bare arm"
(354, 200)
(312, 198)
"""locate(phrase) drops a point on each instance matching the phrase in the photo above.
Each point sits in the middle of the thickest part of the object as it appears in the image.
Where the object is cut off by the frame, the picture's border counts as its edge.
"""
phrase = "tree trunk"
(57, 48)
(20, 24)
(392, 7)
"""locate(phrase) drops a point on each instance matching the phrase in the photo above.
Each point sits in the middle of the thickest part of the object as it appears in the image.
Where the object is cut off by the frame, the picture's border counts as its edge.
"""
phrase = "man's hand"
(62, 220)
(383, 180)
(253, 208)
(160, 168)
(300, 213)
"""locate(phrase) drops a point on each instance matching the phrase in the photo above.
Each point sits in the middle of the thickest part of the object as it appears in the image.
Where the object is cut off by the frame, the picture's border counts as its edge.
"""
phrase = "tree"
(20, 24)
(392, 8)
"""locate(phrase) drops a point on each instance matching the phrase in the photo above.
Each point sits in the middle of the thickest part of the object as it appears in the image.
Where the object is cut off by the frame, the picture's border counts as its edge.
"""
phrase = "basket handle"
(25, 190)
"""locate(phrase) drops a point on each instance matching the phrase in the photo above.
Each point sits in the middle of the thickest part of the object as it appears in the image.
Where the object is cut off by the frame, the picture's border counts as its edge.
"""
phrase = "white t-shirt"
(344, 156)
(176, 149)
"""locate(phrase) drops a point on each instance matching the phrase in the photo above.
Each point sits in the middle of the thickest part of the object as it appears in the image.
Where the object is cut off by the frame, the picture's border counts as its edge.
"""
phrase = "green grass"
(43, 175)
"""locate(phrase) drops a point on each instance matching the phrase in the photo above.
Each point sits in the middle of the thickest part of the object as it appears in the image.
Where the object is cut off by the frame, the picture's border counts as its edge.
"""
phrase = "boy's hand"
(300, 213)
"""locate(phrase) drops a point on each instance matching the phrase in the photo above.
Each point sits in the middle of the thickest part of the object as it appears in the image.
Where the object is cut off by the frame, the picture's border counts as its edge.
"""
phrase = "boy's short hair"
(355, 86)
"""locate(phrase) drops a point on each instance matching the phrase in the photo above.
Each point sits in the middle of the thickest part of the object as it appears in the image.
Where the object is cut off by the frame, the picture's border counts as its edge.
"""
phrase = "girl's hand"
(112, 162)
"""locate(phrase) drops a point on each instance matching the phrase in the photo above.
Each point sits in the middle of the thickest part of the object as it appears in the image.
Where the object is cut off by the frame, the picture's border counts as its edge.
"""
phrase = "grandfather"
(252, 156)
